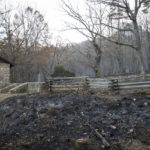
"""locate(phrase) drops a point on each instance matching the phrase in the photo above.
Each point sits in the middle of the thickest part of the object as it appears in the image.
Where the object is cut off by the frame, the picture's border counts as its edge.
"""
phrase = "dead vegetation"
(74, 121)
(7, 95)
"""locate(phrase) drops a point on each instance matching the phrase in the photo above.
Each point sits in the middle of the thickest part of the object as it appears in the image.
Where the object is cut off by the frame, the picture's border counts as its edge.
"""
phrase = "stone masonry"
(4, 73)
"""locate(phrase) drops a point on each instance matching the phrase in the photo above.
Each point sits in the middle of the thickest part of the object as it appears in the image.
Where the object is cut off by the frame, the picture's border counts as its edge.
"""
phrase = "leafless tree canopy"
(117, 32)
(97, 25)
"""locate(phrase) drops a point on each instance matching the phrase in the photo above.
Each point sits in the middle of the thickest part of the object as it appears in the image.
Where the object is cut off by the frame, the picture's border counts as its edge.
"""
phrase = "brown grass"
(8, 95)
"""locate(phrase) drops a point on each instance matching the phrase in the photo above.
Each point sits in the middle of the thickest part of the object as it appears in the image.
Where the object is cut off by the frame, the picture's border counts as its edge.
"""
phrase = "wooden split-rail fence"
(113, 84)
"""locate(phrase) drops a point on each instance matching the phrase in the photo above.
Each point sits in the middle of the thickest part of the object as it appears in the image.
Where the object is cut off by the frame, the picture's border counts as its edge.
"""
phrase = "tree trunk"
(140, 59)
(148, 40)
(97, 64)
(139, 47)
(98, 52)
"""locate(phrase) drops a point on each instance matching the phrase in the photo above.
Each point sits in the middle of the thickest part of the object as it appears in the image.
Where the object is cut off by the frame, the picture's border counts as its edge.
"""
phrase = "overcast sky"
(53, 15)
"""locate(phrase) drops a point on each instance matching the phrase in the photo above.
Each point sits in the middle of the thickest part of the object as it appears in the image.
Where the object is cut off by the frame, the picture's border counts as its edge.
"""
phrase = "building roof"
(3, 60)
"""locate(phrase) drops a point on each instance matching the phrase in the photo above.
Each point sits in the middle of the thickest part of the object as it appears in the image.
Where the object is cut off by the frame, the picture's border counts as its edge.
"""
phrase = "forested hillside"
(117, 32)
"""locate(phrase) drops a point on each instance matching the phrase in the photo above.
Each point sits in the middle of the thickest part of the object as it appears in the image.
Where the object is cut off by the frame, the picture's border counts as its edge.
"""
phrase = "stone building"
(5, 67)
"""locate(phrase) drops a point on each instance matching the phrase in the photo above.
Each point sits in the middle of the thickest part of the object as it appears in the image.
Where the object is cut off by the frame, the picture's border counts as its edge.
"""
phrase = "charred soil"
(74, 121)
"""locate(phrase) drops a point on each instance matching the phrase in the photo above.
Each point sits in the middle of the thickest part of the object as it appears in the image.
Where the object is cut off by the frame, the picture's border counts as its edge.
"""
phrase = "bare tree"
(128, 10)
(92, 26)
(24, 33)
(53, 57)
(89, 26)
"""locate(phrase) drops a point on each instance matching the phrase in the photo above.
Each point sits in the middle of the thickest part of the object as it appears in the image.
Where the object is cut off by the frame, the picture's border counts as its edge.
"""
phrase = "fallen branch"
(97, 133)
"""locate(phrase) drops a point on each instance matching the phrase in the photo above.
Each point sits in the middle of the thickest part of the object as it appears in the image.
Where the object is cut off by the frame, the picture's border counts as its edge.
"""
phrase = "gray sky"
(54, 16)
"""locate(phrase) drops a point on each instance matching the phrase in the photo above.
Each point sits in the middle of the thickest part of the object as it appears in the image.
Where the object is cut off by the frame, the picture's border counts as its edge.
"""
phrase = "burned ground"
(70, 121)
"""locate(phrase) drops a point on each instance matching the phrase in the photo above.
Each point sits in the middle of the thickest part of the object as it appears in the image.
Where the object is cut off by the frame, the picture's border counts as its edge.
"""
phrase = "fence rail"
(114, 84)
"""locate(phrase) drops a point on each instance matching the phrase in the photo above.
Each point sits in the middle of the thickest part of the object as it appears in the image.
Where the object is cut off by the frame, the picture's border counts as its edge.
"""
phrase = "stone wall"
(4, 73)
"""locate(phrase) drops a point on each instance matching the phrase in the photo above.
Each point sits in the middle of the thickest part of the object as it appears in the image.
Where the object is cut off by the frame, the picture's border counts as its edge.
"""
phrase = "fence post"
(50, 85)
(115, 86)
(85, 86)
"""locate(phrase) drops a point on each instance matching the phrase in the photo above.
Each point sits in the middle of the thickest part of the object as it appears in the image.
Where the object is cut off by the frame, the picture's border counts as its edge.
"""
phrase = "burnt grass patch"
(70, 121)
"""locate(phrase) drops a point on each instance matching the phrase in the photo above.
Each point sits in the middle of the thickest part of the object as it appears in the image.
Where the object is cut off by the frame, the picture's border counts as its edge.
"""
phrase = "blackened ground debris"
(69, 122)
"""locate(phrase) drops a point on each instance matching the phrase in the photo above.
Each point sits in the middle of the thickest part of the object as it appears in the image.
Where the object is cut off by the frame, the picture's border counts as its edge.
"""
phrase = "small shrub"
(60, 71)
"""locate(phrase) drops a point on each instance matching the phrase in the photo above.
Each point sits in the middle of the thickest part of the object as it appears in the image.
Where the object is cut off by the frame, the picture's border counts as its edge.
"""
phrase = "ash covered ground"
(74, 121)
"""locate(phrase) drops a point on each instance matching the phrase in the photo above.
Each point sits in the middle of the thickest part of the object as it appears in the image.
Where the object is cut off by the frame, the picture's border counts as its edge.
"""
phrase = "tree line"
(112, 20)
(117, 32)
